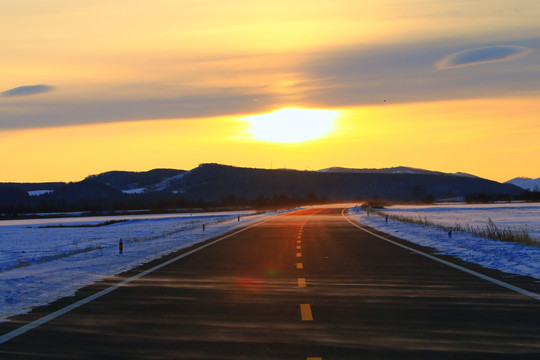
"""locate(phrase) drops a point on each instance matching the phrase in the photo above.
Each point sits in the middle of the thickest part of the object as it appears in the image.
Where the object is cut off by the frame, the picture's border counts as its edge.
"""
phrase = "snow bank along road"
(305, 285)
(40, 264)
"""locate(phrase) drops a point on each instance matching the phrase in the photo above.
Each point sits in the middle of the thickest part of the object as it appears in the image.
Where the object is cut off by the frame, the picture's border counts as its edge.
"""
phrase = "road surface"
(306, 285)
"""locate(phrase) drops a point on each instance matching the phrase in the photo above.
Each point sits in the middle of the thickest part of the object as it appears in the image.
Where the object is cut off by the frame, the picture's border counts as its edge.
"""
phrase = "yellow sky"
(137, 85)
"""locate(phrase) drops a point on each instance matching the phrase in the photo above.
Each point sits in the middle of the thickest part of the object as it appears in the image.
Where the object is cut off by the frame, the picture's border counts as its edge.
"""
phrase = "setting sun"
(300, 85)
(292, 125)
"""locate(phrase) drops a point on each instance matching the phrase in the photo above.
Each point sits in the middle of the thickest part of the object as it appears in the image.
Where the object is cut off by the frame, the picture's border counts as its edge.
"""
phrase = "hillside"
(212, 181)
(129, 180)
(525, 183)
(221, 185)
(392, 170)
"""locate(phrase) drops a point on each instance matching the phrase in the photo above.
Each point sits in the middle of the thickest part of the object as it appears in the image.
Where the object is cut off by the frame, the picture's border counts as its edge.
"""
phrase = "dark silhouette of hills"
(88, 189)
(212, 181)
(51, 186)
(221, 185)
(12, 195)
(126, 180)
(392, 170)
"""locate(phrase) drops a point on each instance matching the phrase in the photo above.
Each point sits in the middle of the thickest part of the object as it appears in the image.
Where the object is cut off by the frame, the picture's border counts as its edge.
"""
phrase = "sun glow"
(292, 125)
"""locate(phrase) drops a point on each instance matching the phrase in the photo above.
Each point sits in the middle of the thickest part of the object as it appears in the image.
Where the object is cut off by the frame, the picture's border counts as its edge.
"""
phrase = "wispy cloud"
(404, 73)
(27, 90)
(350, 76)
(483, 55)
(60, 112)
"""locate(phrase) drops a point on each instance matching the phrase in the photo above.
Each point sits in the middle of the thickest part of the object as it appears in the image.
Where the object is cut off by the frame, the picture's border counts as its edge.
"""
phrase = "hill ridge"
(225, 185)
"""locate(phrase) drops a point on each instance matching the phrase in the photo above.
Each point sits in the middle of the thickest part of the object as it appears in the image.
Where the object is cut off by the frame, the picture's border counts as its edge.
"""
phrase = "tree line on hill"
(526, 195)
(165, 201)
(16, 203)
(214, 185)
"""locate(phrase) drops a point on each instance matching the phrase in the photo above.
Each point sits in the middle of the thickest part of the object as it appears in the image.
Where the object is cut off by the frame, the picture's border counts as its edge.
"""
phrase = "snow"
(39, 264)
(165, 183)
(525, 183)
(504, 256)
(134, 191)
(511, 215)
(39, 192)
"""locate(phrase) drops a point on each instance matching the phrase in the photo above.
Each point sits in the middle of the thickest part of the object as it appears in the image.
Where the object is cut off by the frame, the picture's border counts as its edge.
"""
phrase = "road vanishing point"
(310, 284)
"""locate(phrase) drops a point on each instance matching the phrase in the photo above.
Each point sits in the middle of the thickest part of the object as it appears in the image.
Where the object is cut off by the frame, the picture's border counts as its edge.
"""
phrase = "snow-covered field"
(512, 215)
(40, 263)
(508, 257)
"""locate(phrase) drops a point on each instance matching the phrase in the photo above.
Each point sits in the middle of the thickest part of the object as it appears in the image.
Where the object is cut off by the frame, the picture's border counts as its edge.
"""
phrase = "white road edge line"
(25, 328)
(458, 267)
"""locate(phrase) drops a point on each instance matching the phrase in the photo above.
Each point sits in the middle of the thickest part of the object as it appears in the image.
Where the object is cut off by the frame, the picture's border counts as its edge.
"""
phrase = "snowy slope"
(525, 183)
(39, 264)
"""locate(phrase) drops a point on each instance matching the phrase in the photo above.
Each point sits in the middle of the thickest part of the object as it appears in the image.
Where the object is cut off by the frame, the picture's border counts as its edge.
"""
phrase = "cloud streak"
(350, 76)
(483, 55)
(27, 90)
(220, 102)
(405, 73)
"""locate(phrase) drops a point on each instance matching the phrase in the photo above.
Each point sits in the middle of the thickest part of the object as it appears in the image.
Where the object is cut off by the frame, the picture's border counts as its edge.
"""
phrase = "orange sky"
(89, 87)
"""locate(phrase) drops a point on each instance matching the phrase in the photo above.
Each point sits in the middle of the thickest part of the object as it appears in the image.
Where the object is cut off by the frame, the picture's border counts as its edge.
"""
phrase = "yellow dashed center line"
(305, 311)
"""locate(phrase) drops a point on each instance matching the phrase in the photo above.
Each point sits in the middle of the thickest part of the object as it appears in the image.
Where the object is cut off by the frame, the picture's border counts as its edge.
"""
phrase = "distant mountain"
(129, 180)
(392, 170)
(525, 183)
(28, 187)
(222, 185)
(212, 181)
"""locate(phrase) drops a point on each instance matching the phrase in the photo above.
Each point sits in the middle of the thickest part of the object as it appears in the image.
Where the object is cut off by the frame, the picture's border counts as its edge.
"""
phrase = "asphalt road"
(306, 285)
